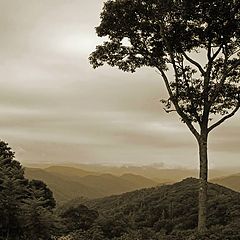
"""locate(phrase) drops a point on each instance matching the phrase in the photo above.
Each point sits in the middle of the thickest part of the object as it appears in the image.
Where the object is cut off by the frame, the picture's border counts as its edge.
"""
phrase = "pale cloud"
(54, 107)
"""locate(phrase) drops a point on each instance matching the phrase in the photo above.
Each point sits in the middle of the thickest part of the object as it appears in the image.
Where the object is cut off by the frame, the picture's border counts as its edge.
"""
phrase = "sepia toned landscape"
(119, 120)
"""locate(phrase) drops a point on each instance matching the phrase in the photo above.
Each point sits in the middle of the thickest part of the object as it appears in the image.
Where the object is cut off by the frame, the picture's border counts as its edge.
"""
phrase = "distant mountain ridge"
(232, 181)
(68, 183)
(154, 172)
(69, 171)
(63, 188)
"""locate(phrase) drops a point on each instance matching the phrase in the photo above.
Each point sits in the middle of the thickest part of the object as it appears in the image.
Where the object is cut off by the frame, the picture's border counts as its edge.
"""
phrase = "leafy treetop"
(167, 35)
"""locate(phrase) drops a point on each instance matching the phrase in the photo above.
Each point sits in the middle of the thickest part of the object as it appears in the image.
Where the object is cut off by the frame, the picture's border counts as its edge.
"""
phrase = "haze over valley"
(56, 108)
(95, 181)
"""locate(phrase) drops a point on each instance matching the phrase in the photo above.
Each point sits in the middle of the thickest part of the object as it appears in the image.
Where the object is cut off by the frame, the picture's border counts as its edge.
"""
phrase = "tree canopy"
(167, 35)
(25, 206)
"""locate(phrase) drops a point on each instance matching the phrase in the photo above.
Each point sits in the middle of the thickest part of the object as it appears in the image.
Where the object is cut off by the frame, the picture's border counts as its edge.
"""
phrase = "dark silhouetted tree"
(198, 42)
(13, 189)
(25, 207)
(42, 192)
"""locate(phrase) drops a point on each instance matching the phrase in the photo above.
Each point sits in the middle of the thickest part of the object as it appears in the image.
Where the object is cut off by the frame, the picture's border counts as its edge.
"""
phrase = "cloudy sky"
(55, 108)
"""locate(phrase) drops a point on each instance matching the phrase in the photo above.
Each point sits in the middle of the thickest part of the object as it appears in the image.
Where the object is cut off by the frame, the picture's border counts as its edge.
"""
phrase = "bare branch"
(171, 54)
(221, 83)
(223, 79)
(169, 110)
(235, 52)
(209, 50)
(224, 118)
(216, 53)
(176, 105)
(236, 64)
(194, 63)
(189, 92)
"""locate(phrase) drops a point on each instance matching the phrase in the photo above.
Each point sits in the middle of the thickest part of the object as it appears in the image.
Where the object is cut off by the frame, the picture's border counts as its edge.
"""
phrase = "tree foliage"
(167, 212)
(41, 192)
(79, 218)
(25, 206)
(167, 35)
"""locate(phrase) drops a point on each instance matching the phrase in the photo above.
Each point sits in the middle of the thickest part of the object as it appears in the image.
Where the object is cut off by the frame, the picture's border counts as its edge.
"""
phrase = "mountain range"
(68, 183)
(71, 182)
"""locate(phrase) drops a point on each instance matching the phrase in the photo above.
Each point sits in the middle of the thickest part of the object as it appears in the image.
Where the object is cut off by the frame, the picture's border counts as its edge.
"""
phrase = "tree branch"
(171, 54)
(236, 64)
(169, 110)
(189, 92)
(224, 118)
(194, 63)
(209, 50)
(177, 107)
(221, 83)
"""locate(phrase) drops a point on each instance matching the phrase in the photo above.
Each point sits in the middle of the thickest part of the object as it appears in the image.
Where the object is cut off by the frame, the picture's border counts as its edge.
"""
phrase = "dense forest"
(165, 212)
(28, 211)
(26, 207)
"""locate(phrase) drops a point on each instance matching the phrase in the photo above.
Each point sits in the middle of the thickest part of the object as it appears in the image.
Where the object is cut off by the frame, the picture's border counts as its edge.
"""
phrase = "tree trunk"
(203, 178)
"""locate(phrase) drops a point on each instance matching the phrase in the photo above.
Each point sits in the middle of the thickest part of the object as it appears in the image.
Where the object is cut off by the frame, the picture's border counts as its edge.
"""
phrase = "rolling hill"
(63, 188)
(232, 181)
(169, 211)
(69, 171)
(68, 183)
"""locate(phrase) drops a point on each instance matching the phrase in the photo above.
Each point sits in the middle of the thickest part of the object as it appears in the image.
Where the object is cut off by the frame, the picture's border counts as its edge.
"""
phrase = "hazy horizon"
(101, 166)
(55, 108)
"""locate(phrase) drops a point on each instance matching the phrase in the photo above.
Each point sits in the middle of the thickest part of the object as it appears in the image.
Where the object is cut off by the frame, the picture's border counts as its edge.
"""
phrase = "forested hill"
(169, 209)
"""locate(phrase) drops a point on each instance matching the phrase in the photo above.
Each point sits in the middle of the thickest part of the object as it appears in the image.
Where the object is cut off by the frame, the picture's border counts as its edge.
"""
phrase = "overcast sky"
(55, 108)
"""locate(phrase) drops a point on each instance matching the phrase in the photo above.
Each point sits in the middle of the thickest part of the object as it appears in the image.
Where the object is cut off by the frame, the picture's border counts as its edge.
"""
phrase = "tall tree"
(198, 42)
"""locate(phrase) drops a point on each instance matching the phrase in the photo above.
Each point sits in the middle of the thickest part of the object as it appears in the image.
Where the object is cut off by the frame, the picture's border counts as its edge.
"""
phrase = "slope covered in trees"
(26, 207)
(166, 212)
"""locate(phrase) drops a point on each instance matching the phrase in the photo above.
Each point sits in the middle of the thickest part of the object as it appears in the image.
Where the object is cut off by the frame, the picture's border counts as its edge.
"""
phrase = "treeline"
(162, 213)
(26, 207)
(28, 211)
